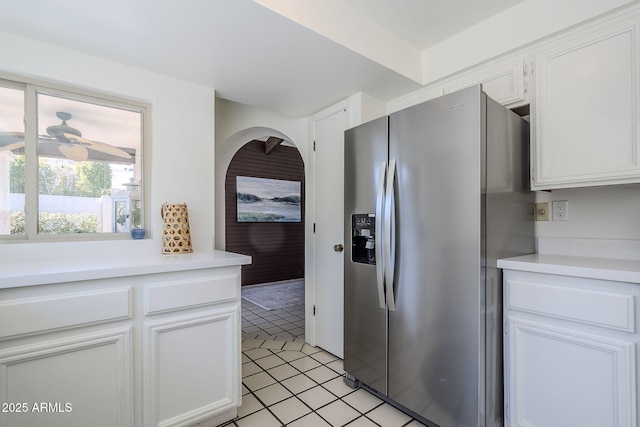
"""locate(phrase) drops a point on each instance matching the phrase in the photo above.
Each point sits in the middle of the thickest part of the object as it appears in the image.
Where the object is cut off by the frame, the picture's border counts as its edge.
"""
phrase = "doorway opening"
(274, 311)
(264, 218)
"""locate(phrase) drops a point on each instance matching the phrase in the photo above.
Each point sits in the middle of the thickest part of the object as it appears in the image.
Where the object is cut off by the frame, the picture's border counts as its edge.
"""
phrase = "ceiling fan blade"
(13, 146)
(11, 137)
(99, 146)
(74, 152)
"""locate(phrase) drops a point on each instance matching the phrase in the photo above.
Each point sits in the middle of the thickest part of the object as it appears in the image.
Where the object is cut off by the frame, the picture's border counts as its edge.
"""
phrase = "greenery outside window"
(71, 163)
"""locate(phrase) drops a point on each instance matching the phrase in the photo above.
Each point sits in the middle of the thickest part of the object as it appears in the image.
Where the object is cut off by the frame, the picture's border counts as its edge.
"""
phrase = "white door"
(329, 265)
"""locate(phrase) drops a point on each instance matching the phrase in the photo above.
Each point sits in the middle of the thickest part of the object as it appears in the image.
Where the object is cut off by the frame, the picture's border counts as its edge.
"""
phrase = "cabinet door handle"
(338, 248)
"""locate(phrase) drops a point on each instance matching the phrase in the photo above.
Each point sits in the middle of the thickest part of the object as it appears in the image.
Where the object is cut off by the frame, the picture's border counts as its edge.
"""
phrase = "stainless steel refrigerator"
(434, 195)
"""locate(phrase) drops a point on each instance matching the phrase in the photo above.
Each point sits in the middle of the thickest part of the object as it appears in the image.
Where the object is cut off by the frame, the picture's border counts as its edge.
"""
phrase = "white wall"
(180, 167)
(611, 212)
(363, 108)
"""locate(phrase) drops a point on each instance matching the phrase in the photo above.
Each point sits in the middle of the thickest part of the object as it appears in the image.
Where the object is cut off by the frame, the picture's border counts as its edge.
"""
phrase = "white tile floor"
(287, 382)
(284, 324)
(290, 383)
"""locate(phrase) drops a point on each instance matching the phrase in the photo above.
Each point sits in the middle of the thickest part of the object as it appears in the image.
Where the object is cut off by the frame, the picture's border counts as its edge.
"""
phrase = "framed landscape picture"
(268, 200)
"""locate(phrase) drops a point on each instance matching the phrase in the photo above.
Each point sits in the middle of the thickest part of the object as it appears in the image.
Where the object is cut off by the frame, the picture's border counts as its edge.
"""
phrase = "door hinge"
(314, 310)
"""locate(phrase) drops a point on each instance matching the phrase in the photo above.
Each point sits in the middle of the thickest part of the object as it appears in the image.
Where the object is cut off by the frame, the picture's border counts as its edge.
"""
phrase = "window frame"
(32, 88)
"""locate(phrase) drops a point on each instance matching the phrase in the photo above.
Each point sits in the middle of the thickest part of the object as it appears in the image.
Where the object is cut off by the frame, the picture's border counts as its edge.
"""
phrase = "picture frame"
(268, 200)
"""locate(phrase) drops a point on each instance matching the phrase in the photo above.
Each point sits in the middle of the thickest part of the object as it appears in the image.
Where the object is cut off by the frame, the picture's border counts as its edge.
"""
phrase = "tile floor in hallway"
(284, 324)
(286, 382)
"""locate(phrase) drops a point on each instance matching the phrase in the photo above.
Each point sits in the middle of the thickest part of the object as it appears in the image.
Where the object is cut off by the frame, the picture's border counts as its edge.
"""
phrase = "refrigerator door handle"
(389, 234)
(382, 171)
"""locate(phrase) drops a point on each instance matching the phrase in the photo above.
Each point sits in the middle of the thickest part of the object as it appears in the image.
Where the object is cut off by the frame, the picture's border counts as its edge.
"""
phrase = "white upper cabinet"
(586, 110)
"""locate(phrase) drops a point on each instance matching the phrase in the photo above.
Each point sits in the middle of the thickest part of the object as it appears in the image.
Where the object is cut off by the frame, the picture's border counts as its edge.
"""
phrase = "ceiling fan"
(66, 140)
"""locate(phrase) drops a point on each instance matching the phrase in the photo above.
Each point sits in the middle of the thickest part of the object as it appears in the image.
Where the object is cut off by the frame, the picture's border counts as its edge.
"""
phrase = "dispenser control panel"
(363, 238)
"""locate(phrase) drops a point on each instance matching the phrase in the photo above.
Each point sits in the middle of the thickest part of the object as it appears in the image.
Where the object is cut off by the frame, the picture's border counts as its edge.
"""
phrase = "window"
(70, 163)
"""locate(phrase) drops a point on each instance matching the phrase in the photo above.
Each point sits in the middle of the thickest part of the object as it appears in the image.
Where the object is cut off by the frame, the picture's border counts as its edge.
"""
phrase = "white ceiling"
(424, 23)
(247, 52)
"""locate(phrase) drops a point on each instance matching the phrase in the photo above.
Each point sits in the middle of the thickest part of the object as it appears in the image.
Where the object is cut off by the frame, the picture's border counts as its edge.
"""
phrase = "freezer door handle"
(382, 171)
(389, 234)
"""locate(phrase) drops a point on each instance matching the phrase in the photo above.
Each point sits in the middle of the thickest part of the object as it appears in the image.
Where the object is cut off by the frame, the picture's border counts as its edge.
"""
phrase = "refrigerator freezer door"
(435, 331)
(365, 328)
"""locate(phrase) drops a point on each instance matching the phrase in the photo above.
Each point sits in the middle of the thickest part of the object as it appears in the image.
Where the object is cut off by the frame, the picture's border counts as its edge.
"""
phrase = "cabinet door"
(586, 110)
(559, 377)
(83, 380)
(191, 367)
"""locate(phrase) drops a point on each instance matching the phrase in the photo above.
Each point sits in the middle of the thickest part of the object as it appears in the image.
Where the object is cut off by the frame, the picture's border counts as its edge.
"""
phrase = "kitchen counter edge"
(48, 272)
(620, 270)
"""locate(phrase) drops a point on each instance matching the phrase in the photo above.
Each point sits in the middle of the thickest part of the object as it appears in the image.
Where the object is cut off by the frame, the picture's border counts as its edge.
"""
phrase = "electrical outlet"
(560, 210)
(542, 211)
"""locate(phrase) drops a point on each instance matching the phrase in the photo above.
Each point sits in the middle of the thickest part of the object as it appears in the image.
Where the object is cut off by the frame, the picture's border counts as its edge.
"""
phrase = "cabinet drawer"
(25, 316)
(612, 310)
(182, 294)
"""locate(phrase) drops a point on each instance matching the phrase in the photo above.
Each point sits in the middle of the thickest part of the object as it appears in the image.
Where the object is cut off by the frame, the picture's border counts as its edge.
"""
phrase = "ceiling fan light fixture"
(69, 142)
(58, 131)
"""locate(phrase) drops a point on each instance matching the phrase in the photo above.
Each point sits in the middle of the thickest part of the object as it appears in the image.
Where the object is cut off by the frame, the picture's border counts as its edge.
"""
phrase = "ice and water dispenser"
(363, 237)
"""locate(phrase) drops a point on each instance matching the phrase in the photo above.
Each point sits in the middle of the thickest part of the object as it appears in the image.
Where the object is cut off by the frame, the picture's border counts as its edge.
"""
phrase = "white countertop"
(621, 270)
(45, 272)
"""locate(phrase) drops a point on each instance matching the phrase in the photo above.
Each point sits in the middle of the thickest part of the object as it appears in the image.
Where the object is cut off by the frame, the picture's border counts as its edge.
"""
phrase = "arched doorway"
(268, 173)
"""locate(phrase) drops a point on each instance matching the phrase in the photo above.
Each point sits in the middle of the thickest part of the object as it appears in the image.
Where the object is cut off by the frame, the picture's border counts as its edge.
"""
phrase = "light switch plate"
(542, 211)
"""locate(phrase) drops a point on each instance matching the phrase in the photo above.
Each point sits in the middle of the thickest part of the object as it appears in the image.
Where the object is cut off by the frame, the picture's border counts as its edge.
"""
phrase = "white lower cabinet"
(151, 350)
(570, 351)
(563, 378)
(188, 374)
(82, 380)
